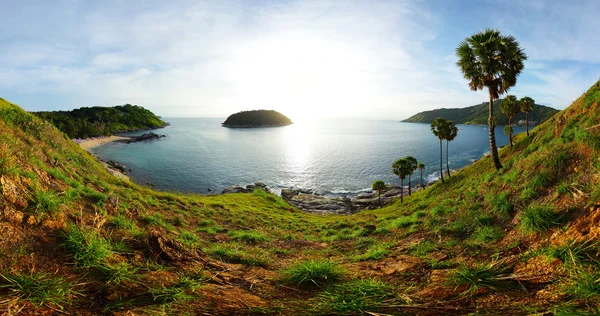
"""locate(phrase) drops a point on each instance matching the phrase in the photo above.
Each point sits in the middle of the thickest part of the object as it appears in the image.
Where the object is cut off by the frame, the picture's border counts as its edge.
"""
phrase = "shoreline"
(89, 143)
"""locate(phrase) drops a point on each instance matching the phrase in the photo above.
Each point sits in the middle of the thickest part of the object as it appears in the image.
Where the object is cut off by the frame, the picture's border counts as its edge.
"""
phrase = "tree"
(508, 130)
(414, 164)
(493, 61)
(438, 127)
(379, 186)
(421, 167)
(510, 106)
(401, 168)
(527, 104)
(450, 134)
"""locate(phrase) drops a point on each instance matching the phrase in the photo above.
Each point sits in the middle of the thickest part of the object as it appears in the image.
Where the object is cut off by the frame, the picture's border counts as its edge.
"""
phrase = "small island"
(257, 118)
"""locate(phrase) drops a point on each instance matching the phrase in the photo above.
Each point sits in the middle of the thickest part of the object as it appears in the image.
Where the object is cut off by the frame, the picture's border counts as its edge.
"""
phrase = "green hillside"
(478, 114)
(521, 240)
(98, 121)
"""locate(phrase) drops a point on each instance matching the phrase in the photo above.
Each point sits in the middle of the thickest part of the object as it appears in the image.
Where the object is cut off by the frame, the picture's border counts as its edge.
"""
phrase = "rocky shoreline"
(311, 202)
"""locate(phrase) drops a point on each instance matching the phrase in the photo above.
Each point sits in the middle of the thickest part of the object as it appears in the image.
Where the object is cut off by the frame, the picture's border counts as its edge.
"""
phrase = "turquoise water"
(331, 157)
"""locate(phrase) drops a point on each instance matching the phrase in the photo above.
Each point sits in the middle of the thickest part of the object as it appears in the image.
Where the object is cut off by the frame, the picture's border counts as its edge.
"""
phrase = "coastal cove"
(336, 158)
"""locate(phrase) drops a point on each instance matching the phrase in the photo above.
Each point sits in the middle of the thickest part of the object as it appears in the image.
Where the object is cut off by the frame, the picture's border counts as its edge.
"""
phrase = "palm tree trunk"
(409, 185)
(493, 148)
(422, 186)
(379, 199)
(510, 132)
(447, 168)
(441, 162)
(401, 190)
(527, 122)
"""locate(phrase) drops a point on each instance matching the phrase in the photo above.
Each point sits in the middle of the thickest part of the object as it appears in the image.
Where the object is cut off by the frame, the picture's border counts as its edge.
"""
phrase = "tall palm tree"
(438, 127)
(450, 134)
(414, 164)
(527, 104)
(421, 167)
(493, 61)
(511, 107)
(401, 168)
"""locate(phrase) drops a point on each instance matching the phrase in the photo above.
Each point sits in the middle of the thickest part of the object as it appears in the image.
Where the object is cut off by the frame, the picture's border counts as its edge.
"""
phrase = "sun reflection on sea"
(298, 139)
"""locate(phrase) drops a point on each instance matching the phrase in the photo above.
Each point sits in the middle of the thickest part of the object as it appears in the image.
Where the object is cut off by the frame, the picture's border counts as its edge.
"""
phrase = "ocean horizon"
(332, 157)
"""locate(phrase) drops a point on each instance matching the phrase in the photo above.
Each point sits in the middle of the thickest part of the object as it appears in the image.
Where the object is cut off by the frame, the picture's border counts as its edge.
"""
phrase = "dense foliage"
(257, 118)
(97, 121)
(478, 114)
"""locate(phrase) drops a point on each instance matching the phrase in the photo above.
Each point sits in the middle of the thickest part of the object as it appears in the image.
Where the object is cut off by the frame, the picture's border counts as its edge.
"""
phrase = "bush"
(313, 272)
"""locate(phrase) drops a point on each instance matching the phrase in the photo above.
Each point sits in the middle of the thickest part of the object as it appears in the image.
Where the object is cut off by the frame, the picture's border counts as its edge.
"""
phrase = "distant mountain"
(478, 114)
(257, 118)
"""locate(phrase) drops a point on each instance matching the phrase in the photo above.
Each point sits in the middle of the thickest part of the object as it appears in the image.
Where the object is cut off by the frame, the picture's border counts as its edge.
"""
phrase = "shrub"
(313, 272)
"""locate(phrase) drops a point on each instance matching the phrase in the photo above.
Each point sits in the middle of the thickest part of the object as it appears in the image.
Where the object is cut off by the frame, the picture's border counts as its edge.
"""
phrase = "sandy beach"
(90, 143)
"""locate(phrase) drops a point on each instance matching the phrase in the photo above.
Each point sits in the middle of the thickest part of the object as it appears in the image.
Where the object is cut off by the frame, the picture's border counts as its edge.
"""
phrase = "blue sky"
(367, 59)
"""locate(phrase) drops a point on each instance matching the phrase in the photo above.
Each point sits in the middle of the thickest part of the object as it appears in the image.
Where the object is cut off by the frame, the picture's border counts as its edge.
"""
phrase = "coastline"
(89, 143)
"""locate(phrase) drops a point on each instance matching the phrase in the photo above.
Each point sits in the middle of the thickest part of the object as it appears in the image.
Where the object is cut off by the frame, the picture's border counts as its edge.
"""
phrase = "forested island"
(257, 118)
(478, 114)
(101, 121)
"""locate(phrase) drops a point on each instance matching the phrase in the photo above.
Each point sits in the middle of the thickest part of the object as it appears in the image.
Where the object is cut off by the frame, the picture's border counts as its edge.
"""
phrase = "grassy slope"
(523, 239)
(478, 114)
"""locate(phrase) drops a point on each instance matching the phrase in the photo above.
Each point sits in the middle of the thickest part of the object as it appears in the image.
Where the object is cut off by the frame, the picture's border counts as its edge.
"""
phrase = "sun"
(303, 76)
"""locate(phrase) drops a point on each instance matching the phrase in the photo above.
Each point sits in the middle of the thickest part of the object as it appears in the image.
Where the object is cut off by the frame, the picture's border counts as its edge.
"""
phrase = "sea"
(332, 157)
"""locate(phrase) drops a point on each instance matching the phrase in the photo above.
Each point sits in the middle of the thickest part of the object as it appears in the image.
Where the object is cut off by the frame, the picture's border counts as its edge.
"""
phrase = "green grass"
(313, 273)
(188, 238)
(480, 276)
(40, 289)
(180, 291)
(356, 296)
(45, 202)
(233, 253)
(248, 236)
(87, 247)
(584, 283)
(538, 218)
(487, 234)
(375, 252)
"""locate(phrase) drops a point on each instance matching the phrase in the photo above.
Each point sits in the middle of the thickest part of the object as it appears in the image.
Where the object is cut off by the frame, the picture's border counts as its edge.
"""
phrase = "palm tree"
(421, 167)
(401, 168)
(527, 104)
(414, 164)
(379, 186)
(511, 107)
(508, 130)
(438, 127)
(451, 132)
(489, 60)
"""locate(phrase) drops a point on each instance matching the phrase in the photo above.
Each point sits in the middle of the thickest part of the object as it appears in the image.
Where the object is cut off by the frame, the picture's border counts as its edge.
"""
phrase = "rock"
(144, 137)
(112, 204)
(363, 196)
(13, 216)
(370, 228)
(10, 191)
(234, 189)
(169, 250)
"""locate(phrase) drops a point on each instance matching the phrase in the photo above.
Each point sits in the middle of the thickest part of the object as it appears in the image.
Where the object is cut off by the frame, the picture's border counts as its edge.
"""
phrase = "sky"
(306, 59)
